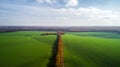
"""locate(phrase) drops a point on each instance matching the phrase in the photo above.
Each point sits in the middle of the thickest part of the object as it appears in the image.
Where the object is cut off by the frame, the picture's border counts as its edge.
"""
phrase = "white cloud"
(95, 13)
(35, 15)
(89, 16)
(91, 13)
(71, 3)
(61, 3)
(46, 1)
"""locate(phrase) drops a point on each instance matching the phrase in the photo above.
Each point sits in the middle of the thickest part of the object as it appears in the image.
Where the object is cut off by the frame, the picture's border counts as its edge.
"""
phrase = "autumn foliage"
(59, 56)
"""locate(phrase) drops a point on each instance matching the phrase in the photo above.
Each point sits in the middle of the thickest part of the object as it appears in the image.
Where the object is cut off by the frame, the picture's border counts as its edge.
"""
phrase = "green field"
(25, 49)
(91, 51)
(113, 35)
(81, 49)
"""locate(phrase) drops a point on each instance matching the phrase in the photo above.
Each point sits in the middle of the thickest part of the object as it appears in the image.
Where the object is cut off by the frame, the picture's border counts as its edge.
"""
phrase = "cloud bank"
(61, 3)
(90, 13)
(56, 13)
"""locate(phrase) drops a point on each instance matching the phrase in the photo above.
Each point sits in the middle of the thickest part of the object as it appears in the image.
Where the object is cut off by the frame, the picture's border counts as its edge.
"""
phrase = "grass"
(25, 49)
(81, 49)
(89, 51)
(112, 35)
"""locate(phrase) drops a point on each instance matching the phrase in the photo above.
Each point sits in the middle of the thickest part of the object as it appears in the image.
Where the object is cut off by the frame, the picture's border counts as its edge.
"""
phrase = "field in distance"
(81, 49)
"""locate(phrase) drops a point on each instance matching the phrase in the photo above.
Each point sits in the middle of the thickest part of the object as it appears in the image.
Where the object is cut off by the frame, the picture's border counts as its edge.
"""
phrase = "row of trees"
(59, 56)
(48, 34)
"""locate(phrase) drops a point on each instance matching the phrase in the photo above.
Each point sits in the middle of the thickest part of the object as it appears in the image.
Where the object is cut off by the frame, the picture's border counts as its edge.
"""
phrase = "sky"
(59, 12)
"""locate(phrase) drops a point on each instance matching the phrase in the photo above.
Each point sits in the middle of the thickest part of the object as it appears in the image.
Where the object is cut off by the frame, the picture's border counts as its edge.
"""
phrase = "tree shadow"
(52, 59)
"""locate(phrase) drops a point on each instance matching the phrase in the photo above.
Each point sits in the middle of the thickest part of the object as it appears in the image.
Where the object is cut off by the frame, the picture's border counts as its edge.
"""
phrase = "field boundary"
(57, 58)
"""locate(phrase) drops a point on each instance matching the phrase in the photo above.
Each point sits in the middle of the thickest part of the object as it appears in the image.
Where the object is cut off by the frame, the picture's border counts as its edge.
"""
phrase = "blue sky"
(60, 12)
